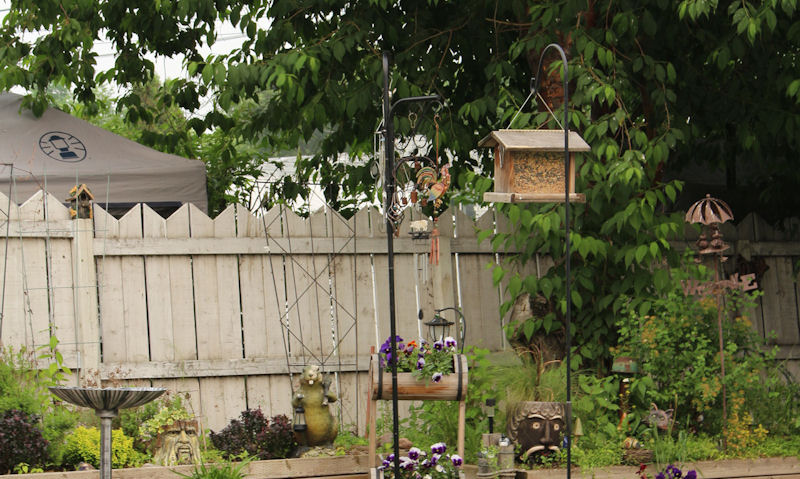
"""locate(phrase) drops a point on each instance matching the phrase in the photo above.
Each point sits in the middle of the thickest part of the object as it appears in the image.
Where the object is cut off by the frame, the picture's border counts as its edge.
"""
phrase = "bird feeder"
(529, 166)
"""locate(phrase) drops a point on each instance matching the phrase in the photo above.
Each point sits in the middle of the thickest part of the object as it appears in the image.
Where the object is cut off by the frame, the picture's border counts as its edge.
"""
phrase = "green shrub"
(83, 445)
(24, 387)
(676, 339)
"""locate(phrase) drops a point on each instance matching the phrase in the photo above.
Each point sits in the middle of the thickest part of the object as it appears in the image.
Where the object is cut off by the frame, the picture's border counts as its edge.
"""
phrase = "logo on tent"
(62, 147)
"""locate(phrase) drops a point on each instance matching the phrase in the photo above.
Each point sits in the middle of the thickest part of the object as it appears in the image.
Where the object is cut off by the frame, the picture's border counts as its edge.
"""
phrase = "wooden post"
(84, 276)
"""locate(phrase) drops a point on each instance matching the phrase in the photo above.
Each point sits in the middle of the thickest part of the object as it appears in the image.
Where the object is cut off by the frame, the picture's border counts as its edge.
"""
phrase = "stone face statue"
(537, 426)
(313, 395)
(177, 444)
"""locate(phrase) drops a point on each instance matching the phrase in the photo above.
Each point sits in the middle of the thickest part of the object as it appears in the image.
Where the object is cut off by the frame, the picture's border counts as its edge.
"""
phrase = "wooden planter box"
(452, 387)
(770, 467)
(340, 467)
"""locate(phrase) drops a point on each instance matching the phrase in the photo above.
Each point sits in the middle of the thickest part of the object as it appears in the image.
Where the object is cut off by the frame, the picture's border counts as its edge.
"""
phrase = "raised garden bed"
(771, 467)
(339, 467)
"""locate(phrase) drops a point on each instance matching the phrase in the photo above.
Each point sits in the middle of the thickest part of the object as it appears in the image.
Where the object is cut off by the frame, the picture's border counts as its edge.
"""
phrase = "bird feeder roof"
(542, 140)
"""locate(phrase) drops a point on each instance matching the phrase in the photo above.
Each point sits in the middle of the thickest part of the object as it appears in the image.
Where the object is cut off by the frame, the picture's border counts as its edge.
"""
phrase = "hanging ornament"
(433, 257)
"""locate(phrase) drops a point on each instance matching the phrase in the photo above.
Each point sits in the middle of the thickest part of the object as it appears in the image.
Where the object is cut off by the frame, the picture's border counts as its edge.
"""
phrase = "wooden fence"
(227, 310)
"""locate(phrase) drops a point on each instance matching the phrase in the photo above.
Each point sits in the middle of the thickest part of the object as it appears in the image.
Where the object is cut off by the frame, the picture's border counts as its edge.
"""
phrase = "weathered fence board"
(229, 310)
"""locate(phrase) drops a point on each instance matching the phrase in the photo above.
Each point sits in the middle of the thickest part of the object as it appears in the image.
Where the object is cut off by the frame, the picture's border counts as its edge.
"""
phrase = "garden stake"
(567, 248)
(711, 212)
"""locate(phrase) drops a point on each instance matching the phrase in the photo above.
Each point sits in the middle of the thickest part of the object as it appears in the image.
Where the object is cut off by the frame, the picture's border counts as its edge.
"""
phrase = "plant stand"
(452, 387)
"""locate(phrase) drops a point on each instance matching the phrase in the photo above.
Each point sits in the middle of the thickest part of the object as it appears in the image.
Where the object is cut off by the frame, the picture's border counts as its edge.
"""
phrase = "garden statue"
(177, 444)
(660, 418)
(537, 426)
(313, 396)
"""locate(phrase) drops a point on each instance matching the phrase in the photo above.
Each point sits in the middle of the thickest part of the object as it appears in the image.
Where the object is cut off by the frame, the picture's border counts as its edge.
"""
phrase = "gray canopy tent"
(57, 151)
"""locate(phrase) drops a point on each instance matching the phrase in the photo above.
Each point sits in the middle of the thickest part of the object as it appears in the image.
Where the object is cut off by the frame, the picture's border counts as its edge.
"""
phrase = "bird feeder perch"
(529, 166)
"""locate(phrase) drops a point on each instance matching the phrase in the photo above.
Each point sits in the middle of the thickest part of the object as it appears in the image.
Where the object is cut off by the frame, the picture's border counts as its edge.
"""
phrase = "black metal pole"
(389, 186)
(567, 262)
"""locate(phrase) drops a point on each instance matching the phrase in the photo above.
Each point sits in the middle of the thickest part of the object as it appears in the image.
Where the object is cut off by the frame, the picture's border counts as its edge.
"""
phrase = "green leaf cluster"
(311, 72)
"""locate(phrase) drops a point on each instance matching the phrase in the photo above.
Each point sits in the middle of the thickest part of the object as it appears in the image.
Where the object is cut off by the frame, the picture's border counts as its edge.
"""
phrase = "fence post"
(85, 292)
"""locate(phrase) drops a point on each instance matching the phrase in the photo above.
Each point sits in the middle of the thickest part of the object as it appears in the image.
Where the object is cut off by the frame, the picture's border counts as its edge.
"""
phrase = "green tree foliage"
(655, 84)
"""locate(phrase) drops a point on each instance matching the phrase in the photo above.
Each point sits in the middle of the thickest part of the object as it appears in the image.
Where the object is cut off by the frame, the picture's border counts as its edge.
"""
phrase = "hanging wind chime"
(423, 181)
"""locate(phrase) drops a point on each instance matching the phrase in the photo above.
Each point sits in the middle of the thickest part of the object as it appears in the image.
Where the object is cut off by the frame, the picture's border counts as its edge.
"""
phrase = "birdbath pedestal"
(106, 403)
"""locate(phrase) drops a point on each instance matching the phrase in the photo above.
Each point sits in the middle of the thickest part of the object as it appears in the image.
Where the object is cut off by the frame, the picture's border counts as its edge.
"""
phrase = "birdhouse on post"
(529, 166)
(80, 202)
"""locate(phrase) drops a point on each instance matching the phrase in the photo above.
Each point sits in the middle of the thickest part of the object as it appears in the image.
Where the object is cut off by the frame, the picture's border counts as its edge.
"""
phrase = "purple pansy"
(450, 342)
(436, 378)
(438, 345)
(407, 464)
(413, 453)
(439, 448)
(420, 363)
(457, 461)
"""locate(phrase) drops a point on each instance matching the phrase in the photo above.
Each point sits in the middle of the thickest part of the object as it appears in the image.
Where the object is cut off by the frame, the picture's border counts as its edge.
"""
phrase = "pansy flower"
(439, 448)
(413, 453)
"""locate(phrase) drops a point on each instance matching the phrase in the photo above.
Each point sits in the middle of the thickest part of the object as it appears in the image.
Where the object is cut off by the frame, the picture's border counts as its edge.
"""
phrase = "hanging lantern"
(438, 328)
(299, 420)
(529, 166)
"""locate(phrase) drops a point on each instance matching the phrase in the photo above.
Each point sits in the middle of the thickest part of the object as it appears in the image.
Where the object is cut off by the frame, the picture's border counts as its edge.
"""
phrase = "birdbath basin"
(106, 403)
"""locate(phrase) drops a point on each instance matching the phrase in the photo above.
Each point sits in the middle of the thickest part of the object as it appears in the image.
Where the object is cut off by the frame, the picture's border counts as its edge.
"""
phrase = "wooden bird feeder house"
(529, 166)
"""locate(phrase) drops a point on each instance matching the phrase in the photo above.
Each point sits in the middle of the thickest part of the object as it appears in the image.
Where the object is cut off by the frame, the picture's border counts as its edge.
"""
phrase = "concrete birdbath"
(106, 403)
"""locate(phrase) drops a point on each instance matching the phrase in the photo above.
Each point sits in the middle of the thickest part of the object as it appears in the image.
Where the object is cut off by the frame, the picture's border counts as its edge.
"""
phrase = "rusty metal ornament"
(709, 211)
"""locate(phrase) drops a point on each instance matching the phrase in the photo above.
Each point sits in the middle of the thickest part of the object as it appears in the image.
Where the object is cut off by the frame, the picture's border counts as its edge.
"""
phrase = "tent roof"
(58, 151)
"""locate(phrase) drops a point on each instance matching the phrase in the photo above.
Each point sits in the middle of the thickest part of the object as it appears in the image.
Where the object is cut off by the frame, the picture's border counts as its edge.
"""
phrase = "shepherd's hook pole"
(389, 186)
(567, 262)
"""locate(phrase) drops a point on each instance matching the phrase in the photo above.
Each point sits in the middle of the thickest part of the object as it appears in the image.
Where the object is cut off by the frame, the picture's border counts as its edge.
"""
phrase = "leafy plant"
(227, 470)
(675, 336)
(21, 441)
(83, 445)
(256, 436)
(439, 419)
(529, 378)
(347, 440)
(171, 411)
(23, 387)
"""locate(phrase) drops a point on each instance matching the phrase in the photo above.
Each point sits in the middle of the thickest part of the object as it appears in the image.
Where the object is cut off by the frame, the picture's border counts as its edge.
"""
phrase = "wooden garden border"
(337, 467)
(770, 467)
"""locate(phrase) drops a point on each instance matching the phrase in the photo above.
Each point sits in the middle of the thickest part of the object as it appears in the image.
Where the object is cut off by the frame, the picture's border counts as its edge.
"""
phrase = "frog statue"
(314, 395)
